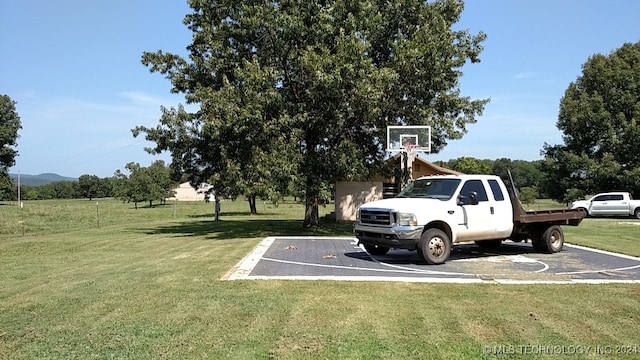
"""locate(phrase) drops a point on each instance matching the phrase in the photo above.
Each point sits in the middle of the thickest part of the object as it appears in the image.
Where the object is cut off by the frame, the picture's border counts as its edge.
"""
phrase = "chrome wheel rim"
(436, 246)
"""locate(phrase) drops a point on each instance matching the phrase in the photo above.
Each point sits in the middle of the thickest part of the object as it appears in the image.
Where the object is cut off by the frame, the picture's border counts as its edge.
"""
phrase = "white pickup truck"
(435, 212)
(609, 204)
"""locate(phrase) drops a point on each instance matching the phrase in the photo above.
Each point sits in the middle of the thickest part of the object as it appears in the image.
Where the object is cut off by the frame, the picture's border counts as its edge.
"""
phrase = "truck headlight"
(358, 215)
(407, 219)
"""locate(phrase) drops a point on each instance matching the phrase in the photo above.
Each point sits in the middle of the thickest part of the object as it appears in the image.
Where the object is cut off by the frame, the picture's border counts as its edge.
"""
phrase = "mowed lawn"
(94, 279)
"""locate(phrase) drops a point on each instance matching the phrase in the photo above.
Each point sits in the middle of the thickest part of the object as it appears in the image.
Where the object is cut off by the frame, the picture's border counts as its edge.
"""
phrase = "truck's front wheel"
(434, 246)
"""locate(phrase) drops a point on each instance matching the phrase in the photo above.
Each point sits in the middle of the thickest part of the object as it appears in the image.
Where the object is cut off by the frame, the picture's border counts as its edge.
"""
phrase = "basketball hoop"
(411, 147)
(409, 138)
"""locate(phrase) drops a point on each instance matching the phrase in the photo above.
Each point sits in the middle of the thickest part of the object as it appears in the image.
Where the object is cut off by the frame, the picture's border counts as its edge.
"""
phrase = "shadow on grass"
(232, 213)
(458, 252)
(247, 229)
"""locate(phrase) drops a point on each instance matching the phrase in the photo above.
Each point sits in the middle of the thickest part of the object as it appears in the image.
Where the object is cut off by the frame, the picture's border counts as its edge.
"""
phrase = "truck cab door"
(475, 220)
(598, 206)
(609, 205)
(503, 213)
(618, 205)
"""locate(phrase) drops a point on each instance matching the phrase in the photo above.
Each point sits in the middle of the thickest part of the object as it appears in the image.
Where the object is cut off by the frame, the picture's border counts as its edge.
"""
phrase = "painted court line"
(246, 265)
(243, 270)
(622, 256)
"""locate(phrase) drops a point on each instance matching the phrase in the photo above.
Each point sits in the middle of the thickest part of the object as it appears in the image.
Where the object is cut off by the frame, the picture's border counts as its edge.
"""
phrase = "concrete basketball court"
(318, 258)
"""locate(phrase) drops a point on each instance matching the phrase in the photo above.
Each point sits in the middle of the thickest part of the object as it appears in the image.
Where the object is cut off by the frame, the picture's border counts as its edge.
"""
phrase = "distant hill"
(39, 180)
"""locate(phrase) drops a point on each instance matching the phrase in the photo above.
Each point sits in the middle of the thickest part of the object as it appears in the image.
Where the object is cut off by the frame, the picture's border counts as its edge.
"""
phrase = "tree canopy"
(303, 90)
(470, 165)
(599, 115)
(143, 183)
(524, 173)
(89, 186)
(9, 126)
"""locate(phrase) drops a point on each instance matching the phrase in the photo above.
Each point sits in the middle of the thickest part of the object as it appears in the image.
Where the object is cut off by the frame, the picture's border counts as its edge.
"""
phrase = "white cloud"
(141, 98)
(524, 75)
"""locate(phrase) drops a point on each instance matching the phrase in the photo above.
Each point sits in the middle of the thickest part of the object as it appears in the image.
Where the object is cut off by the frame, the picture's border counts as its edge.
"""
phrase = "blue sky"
(73, 67)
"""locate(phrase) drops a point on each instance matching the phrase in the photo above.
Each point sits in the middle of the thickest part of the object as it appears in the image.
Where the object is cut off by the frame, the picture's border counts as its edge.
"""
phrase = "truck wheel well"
(439, 225)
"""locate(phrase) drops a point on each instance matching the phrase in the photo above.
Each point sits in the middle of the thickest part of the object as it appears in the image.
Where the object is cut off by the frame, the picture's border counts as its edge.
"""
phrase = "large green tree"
(89, 186)
(470, 165)
(599, 116)
(524, 173)
(303, 90)
(9, 126)
(143, 184)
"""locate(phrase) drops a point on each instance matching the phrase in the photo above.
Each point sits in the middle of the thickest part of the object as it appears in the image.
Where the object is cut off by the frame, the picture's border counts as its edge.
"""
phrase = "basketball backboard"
(409, 138)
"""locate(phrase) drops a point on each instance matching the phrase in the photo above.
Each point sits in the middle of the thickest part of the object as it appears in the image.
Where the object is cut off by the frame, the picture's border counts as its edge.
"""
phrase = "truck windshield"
(442, 189)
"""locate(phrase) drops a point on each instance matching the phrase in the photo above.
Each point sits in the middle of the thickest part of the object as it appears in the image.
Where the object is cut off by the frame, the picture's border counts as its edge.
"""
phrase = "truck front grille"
(375, 217)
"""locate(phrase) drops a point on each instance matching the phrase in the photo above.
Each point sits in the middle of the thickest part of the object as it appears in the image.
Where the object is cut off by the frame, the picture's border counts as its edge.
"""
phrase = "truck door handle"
(491, 210)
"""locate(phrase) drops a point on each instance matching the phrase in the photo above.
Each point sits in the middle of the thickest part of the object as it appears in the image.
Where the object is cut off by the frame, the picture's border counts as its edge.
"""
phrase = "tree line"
(147, 184)
(137, 185)
(87, 186)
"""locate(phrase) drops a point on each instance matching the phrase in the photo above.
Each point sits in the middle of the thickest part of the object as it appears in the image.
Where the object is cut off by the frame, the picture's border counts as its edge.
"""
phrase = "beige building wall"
(186, 192)
(351, 194)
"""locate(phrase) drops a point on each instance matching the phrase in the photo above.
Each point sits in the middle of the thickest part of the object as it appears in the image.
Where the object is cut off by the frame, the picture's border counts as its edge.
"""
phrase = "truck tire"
(551, 240)
(434, 247)
(489, 244)
(376, 249)
(636, 213)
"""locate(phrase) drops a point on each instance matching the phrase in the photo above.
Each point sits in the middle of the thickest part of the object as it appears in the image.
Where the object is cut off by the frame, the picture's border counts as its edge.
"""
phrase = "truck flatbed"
(521, 216)
(556, 217)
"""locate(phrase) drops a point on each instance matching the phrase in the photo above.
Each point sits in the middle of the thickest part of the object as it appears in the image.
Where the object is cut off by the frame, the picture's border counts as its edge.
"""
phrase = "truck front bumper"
(400, 237)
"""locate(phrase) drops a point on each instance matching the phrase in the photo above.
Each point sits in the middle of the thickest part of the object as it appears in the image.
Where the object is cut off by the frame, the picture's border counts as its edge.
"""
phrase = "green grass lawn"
(108, 281)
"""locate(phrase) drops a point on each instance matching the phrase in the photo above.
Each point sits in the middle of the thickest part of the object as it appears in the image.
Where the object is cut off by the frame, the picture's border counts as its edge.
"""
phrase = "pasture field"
(84, 279)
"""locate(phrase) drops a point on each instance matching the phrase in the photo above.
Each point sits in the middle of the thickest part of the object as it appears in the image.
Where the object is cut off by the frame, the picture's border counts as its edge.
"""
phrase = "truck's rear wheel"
(376, 249)
(551, 240)
(637, 213)
(489, 244)
(434, 246)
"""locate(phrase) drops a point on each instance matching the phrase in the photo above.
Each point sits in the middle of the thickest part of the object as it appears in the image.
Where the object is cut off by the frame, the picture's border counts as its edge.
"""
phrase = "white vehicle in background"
(609, 204)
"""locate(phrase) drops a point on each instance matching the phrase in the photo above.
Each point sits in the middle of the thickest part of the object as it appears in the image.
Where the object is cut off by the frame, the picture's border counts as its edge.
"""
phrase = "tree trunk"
(311, 216)
(252, 204)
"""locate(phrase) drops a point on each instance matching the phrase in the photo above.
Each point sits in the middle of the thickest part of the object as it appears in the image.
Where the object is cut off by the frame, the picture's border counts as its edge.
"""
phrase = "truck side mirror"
(473, 198)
